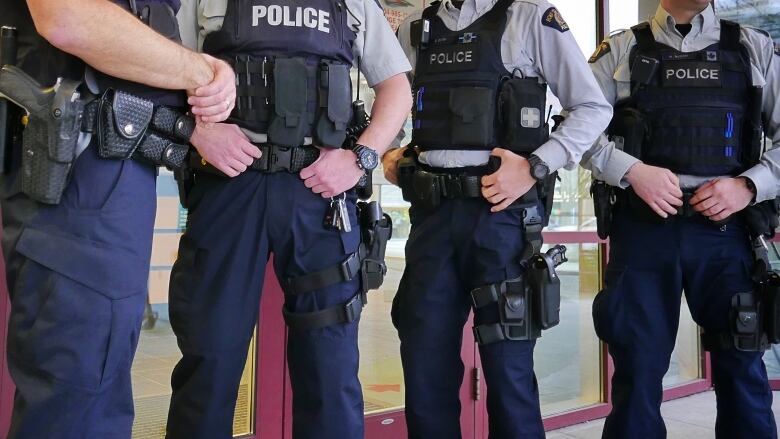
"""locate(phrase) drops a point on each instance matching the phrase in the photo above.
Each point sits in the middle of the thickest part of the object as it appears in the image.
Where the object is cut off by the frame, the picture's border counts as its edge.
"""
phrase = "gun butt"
(24, 91)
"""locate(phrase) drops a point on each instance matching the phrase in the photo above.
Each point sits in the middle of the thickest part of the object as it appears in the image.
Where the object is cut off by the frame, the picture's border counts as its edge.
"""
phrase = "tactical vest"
(46, 63)
(699, 108)
(292, 61)
(465, 98)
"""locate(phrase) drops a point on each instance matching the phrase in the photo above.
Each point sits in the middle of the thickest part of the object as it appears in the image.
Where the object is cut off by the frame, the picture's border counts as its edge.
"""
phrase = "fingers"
(705, 205)
(309, 171)
(490, 180)
(666, 207)
(312, 182)
(673, 178)
(236, 165)
(703, 193)
(223, 105)
(658, 210)
(714, 211)
(497, 199)
(673, 200)
(676, 192)
(498, 208)
(251, 150)
(722, 215)
(489, 191)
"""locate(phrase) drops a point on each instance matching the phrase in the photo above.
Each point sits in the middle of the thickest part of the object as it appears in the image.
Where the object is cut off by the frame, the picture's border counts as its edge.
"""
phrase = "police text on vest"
(276, 15)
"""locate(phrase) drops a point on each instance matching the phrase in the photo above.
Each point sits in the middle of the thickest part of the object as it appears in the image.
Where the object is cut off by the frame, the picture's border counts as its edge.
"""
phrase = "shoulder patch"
(603, 49)
(777, 49)
(553, 18)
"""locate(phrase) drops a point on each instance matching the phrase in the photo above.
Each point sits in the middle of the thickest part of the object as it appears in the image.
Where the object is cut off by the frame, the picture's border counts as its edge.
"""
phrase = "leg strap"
(343, 272)
(336, 315)
(512, 298)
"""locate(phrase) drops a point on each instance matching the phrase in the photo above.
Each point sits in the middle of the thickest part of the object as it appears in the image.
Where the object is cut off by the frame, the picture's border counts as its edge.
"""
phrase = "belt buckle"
(280, 158)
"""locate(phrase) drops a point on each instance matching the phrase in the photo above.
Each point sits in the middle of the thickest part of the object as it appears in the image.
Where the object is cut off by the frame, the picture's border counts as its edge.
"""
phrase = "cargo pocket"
(607, 310)
(290, 121)
(473, 116)
(332, 121)
(78, 308)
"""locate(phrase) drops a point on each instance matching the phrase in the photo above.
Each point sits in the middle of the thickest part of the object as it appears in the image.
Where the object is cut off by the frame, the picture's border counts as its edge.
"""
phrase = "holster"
(526, 305)
(603, 206)
(376, 229)
(49, 145)
(747, 323)
(771, 296)
(762, 219)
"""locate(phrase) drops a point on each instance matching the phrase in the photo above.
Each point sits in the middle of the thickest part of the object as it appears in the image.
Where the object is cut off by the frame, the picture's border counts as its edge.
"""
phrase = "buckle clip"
(353, 308)
(279, 159)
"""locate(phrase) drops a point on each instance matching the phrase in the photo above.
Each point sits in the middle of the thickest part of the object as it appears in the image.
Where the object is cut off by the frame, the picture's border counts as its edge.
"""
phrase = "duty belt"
(168, 148)
(274, 159)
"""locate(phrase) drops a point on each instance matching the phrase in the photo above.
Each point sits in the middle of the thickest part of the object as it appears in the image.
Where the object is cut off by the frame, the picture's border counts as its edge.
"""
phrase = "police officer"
(296, 201)
(77, 270)
(691, 92)
(481, 69)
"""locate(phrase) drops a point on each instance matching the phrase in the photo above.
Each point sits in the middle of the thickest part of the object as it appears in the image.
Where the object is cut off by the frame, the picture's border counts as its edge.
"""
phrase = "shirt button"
(450, 163)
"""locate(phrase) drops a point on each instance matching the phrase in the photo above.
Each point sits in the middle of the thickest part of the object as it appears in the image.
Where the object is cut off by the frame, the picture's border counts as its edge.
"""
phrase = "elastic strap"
(336, 315)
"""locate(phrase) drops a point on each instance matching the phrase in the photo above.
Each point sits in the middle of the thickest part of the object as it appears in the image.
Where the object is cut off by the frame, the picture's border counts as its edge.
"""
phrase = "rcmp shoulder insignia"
(777, 49)
(553, 18)
(603, 49)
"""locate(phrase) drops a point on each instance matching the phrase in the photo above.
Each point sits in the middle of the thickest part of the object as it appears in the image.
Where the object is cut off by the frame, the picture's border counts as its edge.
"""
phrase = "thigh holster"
(526, 305)
(368, 262)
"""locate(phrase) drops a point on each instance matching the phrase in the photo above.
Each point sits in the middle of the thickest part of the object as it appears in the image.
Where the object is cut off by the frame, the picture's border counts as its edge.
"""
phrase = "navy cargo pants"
(451, 250)
(637, 314)
(234, 224)
(77, 276)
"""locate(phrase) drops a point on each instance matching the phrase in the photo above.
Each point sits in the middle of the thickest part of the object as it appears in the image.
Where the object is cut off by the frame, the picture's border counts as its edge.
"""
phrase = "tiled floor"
(686, 418)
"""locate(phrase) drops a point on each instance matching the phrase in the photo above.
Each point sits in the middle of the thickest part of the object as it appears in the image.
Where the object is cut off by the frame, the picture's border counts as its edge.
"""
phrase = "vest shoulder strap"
(497, 14)
(645, 40)
(429, 13)
(730, 35)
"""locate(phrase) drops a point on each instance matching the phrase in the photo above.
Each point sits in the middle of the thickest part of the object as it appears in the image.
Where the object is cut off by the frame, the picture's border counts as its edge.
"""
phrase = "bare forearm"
(118, 44)
(391, 107)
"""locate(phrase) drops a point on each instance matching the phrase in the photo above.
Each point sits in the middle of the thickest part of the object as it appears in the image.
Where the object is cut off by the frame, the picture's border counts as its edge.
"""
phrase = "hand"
(334, 172)
(225, 147)
(390, 164)
(512, 180)
(215, 101)
(658, 187)
(722, 197)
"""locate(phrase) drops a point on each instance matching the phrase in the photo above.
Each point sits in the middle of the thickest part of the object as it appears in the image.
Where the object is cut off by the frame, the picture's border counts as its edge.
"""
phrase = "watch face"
(540, 171)
(369, 159)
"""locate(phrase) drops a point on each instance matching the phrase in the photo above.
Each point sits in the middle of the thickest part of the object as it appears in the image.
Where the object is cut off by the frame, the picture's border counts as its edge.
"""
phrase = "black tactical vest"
(46, 63)
(292, 61)
(465, 98)
(699, 108)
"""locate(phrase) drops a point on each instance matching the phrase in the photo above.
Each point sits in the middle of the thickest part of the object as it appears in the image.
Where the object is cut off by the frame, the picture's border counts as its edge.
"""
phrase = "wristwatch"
(367, 158)
(539, 169)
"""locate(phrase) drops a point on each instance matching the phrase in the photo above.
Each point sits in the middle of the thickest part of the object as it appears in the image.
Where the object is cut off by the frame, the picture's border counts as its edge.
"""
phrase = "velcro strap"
(336, 274)
(336, 315)
(484, 296)
(488, 334)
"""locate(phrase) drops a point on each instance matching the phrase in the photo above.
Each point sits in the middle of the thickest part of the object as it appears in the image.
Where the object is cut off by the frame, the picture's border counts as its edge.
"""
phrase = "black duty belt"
(274, 158)
(166, 140)
(641, 210)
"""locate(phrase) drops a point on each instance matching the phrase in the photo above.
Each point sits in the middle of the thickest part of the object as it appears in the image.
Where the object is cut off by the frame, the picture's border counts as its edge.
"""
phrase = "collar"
(705, 21)
(469, 11)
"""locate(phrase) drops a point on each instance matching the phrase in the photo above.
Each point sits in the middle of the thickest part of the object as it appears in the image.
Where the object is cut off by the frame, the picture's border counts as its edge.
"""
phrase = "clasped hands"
(660, 189)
